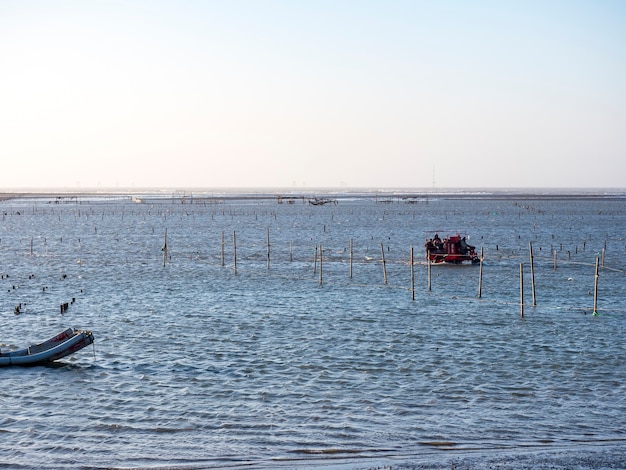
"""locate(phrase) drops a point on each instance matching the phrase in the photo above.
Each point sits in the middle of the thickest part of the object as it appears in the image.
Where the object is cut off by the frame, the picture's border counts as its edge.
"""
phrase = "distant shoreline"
(389, 194)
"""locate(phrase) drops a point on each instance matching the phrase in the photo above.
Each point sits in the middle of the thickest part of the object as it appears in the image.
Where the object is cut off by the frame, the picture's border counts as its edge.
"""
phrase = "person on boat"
(438, 243)
(430, 246)
(465, 248)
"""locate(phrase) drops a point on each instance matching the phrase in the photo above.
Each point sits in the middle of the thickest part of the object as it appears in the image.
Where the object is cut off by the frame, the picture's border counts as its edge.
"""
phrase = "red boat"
(453, 249)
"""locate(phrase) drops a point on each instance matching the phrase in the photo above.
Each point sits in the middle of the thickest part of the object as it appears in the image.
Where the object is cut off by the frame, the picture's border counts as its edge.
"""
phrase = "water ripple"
(195, 365)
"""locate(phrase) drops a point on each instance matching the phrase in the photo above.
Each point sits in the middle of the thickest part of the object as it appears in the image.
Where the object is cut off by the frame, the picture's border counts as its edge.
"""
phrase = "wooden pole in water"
(412, 276)
(222, 248)
(234, 252)
(164, 247)
(595, 288)
(603, 251)
(315, 261)
(290, 251)
(428, 268)
(382, 250)
(351, 258)
(555, 260)
(321, 251)
(532, 273)
(268, 247)
(480, 275)
(521, 289)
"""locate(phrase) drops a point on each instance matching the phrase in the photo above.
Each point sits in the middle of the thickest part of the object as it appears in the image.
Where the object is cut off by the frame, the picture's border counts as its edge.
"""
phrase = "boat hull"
(65, 343)
(444, 258)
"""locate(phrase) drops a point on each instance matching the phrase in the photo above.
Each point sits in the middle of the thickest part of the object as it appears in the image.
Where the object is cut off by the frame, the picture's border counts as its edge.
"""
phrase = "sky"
(318, 93)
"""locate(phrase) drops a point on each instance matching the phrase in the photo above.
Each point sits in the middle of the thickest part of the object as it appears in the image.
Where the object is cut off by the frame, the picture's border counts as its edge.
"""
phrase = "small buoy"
(570, 278)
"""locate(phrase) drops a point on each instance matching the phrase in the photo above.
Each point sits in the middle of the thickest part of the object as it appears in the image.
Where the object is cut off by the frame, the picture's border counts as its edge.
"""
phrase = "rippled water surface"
(274, 359)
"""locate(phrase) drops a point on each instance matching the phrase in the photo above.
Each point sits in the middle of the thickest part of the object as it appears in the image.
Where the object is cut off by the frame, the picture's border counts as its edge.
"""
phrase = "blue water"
(203, 362)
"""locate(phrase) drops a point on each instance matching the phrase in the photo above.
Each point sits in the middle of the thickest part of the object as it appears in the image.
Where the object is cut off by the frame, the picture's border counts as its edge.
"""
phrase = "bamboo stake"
(532, 273)
(321, 251)
(268, 247)
(521, 289)
(223, 248)
(164, 249)
(382, 250)
(595, 289)
(234, 252)
(351, 258)
(428, 268)
(412, 276)
(480, 275)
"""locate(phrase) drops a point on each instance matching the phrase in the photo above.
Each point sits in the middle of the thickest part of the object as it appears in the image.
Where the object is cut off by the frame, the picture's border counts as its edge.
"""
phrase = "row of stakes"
(19, 308)
(64, 307)
(319, 251)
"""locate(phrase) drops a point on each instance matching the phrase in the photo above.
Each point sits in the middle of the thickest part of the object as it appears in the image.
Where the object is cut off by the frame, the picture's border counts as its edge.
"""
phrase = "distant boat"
(65, 343)
(453, 249)
(320, 201)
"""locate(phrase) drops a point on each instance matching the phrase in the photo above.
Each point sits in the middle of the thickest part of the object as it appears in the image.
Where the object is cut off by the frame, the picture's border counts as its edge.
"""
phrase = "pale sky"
(317, 93)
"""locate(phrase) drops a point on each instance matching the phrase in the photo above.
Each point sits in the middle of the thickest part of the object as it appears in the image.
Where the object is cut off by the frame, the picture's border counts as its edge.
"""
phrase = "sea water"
(224, 338)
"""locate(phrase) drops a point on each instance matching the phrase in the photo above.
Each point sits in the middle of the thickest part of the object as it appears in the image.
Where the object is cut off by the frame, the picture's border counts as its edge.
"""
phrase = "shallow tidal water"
(224, 353)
